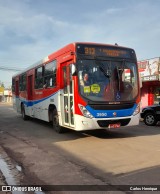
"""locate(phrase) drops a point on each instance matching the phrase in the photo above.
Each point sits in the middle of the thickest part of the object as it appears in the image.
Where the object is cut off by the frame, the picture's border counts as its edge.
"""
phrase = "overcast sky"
(32, 29)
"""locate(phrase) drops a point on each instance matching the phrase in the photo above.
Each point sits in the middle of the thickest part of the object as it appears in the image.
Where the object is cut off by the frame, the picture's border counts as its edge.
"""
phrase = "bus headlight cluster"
(85, 112)
(137, 110)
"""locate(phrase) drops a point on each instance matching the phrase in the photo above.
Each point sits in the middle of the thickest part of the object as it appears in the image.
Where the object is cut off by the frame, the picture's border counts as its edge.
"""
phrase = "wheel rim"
(150, 119)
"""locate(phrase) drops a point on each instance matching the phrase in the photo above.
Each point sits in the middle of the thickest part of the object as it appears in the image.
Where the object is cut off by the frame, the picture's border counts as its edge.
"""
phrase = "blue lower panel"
(111, 113)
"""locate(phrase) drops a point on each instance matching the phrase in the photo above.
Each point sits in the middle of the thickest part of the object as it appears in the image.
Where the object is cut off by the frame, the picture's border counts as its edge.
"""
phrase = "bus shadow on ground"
(125, 132)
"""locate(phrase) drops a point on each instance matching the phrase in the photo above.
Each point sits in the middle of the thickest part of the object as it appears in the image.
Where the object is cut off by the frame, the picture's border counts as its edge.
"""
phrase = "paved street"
(128, 156)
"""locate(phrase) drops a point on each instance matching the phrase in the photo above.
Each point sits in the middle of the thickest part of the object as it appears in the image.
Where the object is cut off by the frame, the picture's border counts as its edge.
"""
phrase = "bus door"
(17, 96)
(67, 97)
(30, 110)
(30, 87)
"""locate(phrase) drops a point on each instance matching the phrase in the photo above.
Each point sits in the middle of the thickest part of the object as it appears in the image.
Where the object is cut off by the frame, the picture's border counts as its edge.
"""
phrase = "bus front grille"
(111, 106)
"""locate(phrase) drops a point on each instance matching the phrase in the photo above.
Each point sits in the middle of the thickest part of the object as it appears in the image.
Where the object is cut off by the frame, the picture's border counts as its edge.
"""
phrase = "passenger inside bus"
(85, 80)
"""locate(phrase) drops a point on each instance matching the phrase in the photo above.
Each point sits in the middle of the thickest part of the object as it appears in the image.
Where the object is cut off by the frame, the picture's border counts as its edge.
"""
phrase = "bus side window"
(39, 78)
(22, 82)
(50, 74)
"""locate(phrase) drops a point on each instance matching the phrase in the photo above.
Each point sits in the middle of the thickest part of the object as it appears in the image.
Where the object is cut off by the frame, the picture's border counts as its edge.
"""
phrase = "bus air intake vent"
(111, 106)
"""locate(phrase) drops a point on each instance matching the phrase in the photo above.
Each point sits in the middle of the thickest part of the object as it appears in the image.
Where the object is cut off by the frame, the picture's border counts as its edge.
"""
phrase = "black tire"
(55, 122)
(24, 116)
(150, 119)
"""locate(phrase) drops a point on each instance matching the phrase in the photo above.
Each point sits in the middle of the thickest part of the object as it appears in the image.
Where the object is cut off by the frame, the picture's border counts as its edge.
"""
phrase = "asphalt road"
(119, 157)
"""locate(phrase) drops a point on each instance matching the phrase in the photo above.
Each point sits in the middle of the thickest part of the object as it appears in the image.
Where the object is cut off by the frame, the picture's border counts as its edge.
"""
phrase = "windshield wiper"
(105, 69)
(106, 73)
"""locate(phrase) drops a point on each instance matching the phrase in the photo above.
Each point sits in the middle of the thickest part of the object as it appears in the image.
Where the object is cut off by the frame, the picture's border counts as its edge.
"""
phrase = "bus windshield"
(107, 81)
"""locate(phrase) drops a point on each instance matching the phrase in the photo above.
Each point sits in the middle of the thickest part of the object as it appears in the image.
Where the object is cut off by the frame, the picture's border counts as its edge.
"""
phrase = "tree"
(2, 84)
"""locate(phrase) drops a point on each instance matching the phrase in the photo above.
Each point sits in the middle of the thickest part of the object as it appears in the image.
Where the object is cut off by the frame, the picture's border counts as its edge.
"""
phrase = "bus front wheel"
(55, 120)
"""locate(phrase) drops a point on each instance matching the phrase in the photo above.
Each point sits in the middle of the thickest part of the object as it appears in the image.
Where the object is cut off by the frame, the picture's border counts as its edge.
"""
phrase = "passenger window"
(22, 82)
(50, 74)
(39, 77)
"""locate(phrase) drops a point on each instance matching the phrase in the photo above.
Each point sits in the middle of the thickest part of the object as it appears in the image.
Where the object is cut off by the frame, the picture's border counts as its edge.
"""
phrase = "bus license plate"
(116, 125)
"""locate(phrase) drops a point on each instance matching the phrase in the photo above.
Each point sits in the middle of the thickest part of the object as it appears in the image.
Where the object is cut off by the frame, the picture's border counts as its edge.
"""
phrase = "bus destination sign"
(105, 51)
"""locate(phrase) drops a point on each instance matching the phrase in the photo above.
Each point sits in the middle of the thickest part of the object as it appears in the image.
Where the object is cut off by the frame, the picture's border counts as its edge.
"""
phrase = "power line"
(10, 68)
(4, 82)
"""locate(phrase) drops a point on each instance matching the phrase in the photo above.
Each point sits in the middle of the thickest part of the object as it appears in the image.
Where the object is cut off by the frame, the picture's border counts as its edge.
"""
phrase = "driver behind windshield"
(85, 81)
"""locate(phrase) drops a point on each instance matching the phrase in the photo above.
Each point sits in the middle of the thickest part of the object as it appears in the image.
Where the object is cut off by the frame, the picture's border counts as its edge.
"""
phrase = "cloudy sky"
(32, 29)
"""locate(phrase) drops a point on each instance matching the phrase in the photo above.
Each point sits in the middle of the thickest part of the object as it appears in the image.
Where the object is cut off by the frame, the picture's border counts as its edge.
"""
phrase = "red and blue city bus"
(52, 89)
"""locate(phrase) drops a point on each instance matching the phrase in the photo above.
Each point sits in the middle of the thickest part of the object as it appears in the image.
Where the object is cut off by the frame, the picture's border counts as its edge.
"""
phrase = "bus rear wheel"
(24, 116)
(55, 121)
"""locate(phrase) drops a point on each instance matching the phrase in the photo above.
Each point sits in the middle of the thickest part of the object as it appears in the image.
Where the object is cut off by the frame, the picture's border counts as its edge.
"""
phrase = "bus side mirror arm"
(140, 81)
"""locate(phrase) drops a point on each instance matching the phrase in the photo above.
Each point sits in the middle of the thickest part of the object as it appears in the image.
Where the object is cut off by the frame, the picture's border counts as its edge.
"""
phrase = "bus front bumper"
(82, 123)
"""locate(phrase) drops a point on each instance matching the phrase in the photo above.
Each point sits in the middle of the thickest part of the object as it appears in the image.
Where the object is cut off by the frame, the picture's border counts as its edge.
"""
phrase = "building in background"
(5, 95)
(1, 93)
(149, 71)
(8, 95)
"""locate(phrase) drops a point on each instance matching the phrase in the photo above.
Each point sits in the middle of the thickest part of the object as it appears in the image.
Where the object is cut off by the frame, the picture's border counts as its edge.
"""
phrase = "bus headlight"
(85, 112)
(137, 110)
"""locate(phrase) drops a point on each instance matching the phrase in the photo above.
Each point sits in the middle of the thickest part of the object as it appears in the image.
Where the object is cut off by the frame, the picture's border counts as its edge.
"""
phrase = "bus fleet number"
(101, 114)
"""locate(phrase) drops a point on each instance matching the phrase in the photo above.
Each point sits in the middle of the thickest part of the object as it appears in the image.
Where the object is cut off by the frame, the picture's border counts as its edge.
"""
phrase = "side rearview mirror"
(73, 69)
